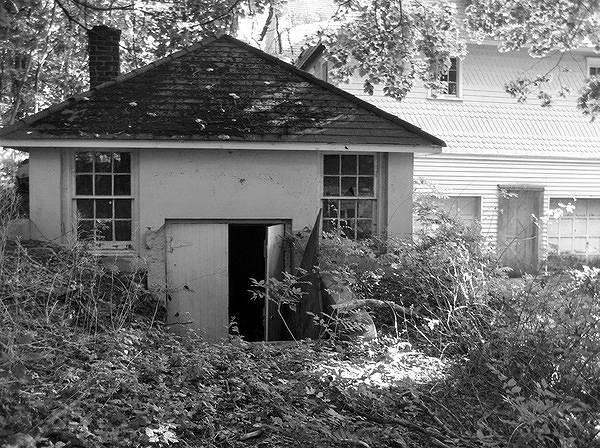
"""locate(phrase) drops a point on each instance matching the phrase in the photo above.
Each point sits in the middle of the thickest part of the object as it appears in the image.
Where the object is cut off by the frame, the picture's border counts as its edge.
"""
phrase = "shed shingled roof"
(219, 89)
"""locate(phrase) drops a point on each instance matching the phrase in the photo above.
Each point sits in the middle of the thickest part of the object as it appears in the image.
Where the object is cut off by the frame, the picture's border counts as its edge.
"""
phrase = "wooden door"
(518, 232)
(274, 266)
(197, 278)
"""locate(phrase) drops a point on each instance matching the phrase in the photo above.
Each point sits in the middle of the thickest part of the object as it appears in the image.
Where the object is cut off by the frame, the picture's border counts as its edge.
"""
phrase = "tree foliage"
(394, 43)
(43, 42)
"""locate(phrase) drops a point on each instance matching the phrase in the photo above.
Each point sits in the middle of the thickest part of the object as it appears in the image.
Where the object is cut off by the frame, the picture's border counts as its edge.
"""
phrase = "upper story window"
(103, 197)
(593, 66)
(323, 71)
(350, 194)
(451, 78)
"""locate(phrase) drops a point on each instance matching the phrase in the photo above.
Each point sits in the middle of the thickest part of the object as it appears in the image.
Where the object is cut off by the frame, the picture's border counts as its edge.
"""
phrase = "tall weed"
(46, 288)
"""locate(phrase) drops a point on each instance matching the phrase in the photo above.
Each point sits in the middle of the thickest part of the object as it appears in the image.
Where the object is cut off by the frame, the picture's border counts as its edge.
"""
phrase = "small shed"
(197, 165)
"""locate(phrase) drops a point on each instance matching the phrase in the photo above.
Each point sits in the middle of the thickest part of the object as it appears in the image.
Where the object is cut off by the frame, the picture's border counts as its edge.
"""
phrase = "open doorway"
(209, 267)
(255, 252)
(246, 261)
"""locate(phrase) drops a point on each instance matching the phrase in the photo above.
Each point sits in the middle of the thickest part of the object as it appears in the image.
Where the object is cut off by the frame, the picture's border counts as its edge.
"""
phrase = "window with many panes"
(575, 229)
(467, 209)
(451, 79)
(349, 190)
(103, 197)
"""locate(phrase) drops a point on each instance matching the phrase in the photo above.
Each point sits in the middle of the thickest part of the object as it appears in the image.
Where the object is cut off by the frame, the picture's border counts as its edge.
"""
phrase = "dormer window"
(321, 70)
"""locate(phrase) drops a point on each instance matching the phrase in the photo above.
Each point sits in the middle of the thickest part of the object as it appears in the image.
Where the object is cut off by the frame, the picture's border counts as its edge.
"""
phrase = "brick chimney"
(103, 48)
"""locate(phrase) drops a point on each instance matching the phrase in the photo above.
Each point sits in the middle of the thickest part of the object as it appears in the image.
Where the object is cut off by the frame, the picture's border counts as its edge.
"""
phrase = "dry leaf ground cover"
(85, 363)
(147, 388)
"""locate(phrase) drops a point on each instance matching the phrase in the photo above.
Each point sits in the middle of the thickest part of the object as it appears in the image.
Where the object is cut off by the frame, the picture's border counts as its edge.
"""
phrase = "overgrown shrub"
(444, 273)
(529, 348)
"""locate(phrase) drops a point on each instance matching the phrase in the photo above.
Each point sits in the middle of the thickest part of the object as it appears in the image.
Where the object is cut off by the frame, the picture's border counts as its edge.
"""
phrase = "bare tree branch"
(372, 303)
(87, 5)
(70, 16)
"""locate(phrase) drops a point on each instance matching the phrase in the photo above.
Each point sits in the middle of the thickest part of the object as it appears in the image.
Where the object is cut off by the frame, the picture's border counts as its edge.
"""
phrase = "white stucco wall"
(205, 184)
(260, 185)
(228, 184)
(45, 205)
(399, 191)
(209, 184)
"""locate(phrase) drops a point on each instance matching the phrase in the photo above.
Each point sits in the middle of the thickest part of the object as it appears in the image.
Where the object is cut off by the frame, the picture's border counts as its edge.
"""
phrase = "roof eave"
(27, 144)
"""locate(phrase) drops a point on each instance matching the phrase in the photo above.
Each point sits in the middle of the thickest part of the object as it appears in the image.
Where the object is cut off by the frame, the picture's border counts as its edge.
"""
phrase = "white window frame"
(376, 197)
(592, 63)
(572, 217)
(453, 199)
(451, 96)
(105, 246)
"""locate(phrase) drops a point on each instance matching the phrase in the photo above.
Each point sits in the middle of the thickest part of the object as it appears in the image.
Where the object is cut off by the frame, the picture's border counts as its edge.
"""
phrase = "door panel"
(518, 234)
(274, 266)
(197, 276)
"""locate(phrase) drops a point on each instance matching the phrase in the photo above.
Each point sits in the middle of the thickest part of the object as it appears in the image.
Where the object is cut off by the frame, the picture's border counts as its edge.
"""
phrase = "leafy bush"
(528, 348)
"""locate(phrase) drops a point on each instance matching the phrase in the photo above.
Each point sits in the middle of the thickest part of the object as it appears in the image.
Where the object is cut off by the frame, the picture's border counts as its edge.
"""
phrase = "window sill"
(121, 250)
(446, 98)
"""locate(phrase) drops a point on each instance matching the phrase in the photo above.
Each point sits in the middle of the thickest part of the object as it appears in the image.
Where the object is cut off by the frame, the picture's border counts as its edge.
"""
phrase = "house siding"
(485, 71)
(483, 74)
(493, 140)
(466, 175)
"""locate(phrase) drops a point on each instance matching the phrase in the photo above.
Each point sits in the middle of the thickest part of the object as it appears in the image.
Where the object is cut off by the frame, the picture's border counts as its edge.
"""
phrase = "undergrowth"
(526, 352)
(84, 361)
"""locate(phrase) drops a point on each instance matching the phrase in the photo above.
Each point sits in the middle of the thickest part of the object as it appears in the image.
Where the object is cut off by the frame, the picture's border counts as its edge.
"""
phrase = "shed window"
(575, 229)
(103, 198)
(350, 194)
